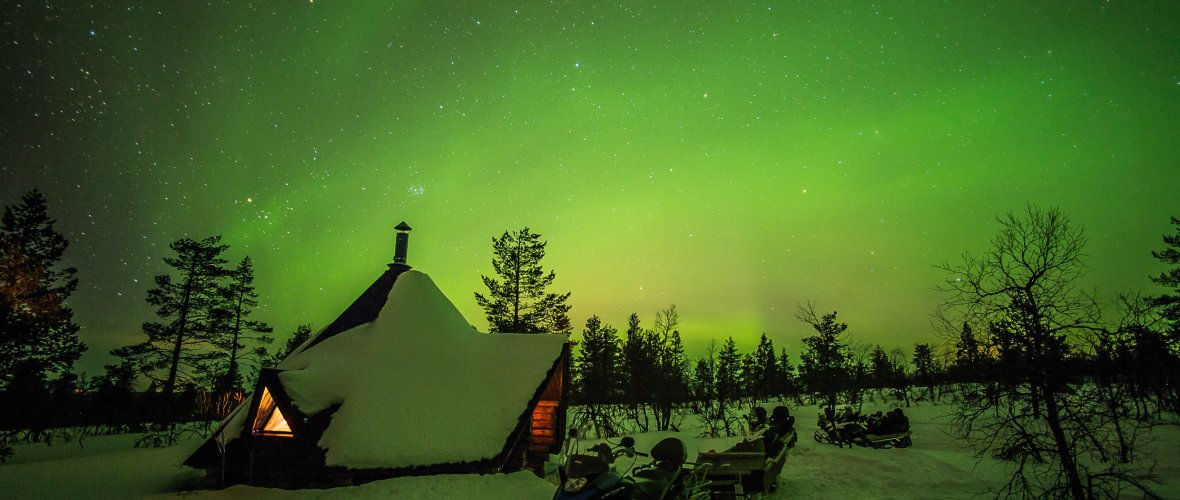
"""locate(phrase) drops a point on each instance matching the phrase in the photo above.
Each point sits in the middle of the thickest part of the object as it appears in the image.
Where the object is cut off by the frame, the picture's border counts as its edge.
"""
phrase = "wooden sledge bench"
(743, 470)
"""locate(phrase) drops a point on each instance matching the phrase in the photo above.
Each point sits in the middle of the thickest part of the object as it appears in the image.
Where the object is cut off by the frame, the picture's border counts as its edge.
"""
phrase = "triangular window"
(269, 420)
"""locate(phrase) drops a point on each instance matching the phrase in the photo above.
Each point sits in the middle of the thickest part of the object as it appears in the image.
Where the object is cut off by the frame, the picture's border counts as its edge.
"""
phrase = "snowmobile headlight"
(575, 484)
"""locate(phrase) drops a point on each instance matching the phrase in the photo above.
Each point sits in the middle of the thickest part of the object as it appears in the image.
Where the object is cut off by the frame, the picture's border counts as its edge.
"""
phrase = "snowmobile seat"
(669, 454)
(667, 457)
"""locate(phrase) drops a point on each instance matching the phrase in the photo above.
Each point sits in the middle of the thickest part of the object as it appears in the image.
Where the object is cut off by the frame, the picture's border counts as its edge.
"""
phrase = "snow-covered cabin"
(399, 384)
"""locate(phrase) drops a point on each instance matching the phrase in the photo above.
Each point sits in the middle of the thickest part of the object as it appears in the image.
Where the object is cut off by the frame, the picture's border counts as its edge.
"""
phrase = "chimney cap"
(403, 226)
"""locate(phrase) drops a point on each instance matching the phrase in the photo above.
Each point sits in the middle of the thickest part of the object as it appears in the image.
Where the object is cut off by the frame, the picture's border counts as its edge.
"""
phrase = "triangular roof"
(364, 309)
(407, 381)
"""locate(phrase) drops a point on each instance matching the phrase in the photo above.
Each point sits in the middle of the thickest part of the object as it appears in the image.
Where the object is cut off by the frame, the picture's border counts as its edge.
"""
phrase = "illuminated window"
(269, 421)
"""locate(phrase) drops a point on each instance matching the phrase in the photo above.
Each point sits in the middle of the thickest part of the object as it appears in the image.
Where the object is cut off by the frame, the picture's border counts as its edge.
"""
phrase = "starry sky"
(733, 158)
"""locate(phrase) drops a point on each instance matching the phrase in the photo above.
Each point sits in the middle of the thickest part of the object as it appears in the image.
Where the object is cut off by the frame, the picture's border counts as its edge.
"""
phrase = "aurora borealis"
(735, 159)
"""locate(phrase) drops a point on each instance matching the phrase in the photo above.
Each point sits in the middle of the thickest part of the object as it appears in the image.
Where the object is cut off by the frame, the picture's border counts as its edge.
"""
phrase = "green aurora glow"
(733, 159)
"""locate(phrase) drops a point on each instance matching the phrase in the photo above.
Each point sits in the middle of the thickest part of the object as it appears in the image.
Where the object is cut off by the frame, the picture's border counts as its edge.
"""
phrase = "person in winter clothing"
(780, 431)
(757, 419)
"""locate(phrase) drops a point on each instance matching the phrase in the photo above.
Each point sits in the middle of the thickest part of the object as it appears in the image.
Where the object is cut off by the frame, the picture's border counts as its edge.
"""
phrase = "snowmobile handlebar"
(626, 447)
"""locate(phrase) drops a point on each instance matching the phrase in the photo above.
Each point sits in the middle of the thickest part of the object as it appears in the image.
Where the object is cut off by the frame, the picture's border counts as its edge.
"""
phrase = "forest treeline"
(1019, 340)
(197, 355)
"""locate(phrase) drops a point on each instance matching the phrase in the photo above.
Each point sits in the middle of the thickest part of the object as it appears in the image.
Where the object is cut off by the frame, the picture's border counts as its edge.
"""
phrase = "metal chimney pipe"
(401, 243)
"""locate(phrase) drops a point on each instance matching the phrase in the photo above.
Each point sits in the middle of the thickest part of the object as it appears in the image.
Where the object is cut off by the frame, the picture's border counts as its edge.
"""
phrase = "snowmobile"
(837, 433)
(593, 475)
(851, 429)
(891, 440)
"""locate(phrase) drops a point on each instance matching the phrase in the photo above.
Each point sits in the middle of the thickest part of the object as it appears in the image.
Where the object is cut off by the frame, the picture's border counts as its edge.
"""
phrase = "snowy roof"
(417, 385)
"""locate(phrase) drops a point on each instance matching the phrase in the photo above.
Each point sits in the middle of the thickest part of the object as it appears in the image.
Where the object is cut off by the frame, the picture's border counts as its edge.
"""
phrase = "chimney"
(401, 244)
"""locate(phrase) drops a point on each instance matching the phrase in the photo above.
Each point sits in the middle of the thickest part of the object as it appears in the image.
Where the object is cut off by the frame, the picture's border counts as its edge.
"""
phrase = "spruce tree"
(670, 370)
(924, 369)
(38, 336)
(639, 371)
(1170, 303)
(767, 373)
(728, 375)
(301, 334)
(968, 356)
(786, 378)
(704, 383)
(597, 363)
(880, 367)
(519, 301)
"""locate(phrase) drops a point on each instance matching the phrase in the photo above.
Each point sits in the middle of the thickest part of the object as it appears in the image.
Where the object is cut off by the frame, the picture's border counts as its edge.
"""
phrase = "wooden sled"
(744, 470)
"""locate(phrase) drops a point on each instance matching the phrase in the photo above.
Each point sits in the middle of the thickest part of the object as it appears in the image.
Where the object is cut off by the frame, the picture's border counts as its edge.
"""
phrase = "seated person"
(828, 423)
(780, 431)
(847, 415)
(781, 417)
(757, 419)
(848, 426)
(828, 418)
(877, 424)
(897, 422)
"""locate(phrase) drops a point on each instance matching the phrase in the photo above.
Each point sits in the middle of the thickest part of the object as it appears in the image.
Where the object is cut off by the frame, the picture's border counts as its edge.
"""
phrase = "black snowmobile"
(593, 475)
(878, 431)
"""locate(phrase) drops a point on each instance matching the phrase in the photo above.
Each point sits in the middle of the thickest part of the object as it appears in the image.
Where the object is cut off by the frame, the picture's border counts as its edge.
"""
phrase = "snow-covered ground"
(935, 467)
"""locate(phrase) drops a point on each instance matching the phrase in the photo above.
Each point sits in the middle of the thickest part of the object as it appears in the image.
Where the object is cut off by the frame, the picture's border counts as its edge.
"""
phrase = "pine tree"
(234, 329)
(178, 348)
(38, 336)
(825, 366)
(520, 303)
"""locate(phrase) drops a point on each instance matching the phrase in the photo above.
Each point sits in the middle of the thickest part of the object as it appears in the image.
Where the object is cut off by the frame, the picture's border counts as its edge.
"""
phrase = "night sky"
(735, 159)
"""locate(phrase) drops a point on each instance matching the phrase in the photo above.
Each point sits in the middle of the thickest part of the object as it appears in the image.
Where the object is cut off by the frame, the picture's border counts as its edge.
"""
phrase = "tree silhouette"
(519, 302)
(825, 366)
(597, 363)
(38, 336)
(728, 375)
(234, 328)
(924, 369)
(1170, 302)
(301, 334)
(639, 375)
(1024, 291)
(767, 376)
(178, 347)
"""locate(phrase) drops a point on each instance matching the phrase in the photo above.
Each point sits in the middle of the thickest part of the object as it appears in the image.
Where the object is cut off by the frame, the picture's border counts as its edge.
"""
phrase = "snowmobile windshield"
(585, 466)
